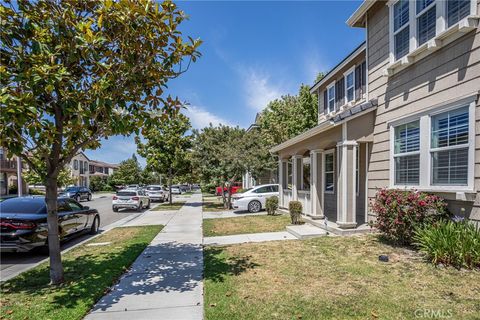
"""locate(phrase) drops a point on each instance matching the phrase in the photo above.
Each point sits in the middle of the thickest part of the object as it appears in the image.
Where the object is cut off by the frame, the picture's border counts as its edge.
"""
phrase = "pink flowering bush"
(399, 212)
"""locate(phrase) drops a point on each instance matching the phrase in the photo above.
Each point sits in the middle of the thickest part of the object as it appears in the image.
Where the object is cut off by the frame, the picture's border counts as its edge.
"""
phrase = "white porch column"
(281, 182)
(346, 194)
(296, 175)
(316, 184)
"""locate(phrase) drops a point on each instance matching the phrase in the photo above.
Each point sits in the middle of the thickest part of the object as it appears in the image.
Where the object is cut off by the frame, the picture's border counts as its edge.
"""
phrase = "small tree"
(73, 72)
(165, 146)
(64, 179)
(128, 172)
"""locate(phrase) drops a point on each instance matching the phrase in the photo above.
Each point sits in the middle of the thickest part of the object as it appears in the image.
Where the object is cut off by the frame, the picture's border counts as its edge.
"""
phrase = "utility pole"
(19, 177)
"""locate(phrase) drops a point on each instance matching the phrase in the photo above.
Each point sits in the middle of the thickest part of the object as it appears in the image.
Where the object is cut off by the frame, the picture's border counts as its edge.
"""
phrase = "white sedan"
(254, 199)
(130, 199)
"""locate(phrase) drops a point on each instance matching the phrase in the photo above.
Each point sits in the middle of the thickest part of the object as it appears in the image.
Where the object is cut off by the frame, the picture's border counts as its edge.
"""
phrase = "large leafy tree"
(128, 172)
(165, 146)
(219, 155)
(73, 72)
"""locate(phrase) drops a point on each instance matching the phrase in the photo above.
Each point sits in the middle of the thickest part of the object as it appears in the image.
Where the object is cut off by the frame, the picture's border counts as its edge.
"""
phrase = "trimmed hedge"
(272, 205)
(295, 208)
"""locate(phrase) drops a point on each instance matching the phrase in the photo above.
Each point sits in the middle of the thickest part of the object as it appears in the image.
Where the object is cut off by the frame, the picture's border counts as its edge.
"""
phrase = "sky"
(252, 52)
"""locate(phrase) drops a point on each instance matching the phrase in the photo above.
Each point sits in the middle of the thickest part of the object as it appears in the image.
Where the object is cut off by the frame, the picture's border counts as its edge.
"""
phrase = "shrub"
(455, 243)
(12, 189)
(399, 212)
(32, 192)
(295, 208)
(271, 205)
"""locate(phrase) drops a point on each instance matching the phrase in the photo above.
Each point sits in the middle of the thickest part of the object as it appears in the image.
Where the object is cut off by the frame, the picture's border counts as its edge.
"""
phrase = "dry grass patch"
(332, 278)
(213, 204)
(241, 225)
(176, 205)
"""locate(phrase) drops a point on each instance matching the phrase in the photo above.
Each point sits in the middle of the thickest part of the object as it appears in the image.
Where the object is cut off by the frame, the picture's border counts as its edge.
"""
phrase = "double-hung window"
(407, 153)
(350, 85)
(306, 173)
(449, 148)
(457, 10)
(329, 172)
(75, 164)
(401, 31)
(426, 15)
(331, 98)
(289, 175)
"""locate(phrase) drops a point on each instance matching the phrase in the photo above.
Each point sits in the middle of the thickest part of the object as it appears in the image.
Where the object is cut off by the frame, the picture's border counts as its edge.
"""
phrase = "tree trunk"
(224, 200)
(56, 268)
(170, 185)
(230, 196)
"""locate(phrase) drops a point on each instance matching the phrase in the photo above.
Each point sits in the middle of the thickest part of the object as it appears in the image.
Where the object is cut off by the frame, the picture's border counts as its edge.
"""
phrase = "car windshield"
(154, 188)
(71, 189)
(126, 193)
(23, 206)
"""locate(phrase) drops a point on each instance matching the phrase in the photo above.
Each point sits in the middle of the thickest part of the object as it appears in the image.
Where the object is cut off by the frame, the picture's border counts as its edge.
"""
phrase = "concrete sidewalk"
(251, 237)
(165, 282)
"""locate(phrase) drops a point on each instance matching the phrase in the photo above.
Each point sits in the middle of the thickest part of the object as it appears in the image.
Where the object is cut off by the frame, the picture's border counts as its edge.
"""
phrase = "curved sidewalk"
(165, 282)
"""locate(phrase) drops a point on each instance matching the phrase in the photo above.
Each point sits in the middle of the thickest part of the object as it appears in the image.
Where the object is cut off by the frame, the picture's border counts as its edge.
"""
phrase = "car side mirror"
(86, 207)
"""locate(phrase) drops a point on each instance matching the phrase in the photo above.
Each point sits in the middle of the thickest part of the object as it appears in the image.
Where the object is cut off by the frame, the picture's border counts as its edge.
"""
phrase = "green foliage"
(399, 212)
(271, 205)
(32, 191)
(450, 243)
(64, 179)
(128, 172)
(13, 189)
(295, 209)
(99, 183)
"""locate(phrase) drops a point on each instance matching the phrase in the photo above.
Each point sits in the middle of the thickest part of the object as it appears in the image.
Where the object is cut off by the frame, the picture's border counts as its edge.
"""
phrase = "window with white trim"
(449, 148)
(331, 97)
(289, 175)
(407, 153)
(75, 164)
(426, 15)
(401, 28)
(350, 85)
(436, 150)
(414, 23)
(306, 173)
(329, 172)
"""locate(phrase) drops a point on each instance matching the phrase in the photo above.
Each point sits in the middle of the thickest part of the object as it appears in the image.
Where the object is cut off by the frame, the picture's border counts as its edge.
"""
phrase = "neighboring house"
(400, 112)
(79, 165)
(8, 173)
(102, 169)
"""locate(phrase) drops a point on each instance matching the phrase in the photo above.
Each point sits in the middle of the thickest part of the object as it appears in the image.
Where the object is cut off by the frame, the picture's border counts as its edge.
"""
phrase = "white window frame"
(302, 171)
(350, 71)
(328, 97)
(418, 15)
(405, 154)
(425, 181)
(393, 33)
(328, 152)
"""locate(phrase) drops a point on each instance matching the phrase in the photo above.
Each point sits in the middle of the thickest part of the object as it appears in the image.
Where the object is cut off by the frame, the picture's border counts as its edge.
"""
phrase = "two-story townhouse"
(9, 173)
(102, 169)
(79, 166)
(414, 123)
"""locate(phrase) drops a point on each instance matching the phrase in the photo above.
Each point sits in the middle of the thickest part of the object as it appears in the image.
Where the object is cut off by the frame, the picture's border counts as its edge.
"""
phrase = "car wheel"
(77, 198)
(140, 206)
(254, 206)
(115, 209)
(95, 225)
(148, 205)
(89, 197)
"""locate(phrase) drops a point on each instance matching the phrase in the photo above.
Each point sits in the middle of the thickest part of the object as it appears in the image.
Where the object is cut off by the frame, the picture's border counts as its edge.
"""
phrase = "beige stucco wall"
(450, 73)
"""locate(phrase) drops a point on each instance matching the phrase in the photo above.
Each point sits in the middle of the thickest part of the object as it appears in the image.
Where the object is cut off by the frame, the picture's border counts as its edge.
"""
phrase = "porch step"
(333, 227)
(306, 231)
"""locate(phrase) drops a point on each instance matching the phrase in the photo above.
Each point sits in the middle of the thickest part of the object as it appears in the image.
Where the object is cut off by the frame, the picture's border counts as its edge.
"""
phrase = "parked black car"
(23, 222)
(77, 193)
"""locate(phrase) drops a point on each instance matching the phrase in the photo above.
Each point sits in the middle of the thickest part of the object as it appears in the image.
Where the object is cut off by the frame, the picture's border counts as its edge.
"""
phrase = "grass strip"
(241, 225)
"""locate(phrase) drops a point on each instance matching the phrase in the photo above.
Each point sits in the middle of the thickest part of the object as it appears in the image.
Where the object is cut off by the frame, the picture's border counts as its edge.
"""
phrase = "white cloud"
(259, 90)
(313, 64)
(201, 117)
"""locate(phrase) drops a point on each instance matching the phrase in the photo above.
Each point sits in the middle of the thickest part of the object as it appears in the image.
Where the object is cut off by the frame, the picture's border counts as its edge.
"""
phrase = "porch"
(326, 170)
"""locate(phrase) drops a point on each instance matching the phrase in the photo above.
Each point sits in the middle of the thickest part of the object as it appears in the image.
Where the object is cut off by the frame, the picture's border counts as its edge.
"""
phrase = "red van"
(235, 187)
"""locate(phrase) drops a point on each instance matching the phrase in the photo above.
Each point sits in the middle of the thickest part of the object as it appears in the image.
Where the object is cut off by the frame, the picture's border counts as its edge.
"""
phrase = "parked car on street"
(77, 193)
(234, 188)
(254, 199)
(23, 222)
(156, 193)
(130, 199)
(176, 189)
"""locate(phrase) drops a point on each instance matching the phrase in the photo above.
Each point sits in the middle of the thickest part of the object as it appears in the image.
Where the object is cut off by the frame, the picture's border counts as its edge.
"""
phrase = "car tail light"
(135, 198)
(19, 225)
(115, 198)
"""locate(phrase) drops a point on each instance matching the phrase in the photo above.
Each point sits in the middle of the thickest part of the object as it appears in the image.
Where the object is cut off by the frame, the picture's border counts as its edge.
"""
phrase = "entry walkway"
(250, 237)
(165, 282)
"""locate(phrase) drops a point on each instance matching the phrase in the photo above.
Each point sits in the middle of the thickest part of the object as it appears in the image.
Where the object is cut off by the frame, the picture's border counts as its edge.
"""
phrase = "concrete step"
(306, 231)
(335, 229)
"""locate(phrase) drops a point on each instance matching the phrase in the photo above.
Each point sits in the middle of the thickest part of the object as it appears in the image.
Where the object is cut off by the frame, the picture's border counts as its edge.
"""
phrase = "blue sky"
(253, 52)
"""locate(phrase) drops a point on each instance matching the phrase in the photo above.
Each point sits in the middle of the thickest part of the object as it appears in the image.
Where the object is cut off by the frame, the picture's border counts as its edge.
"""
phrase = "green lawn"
(240, 225)
(333, 278)
(89, 272)
(176, 205)
(213, 203)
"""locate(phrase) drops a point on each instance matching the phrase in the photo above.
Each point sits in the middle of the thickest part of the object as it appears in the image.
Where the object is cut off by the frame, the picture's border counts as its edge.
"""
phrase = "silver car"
(130, 199)
(156, 193)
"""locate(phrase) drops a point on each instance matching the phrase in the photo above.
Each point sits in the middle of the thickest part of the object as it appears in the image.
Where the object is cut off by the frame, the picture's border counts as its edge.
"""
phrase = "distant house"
(102, 169)
(83, 169)
(400, 111)
(8, 173)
